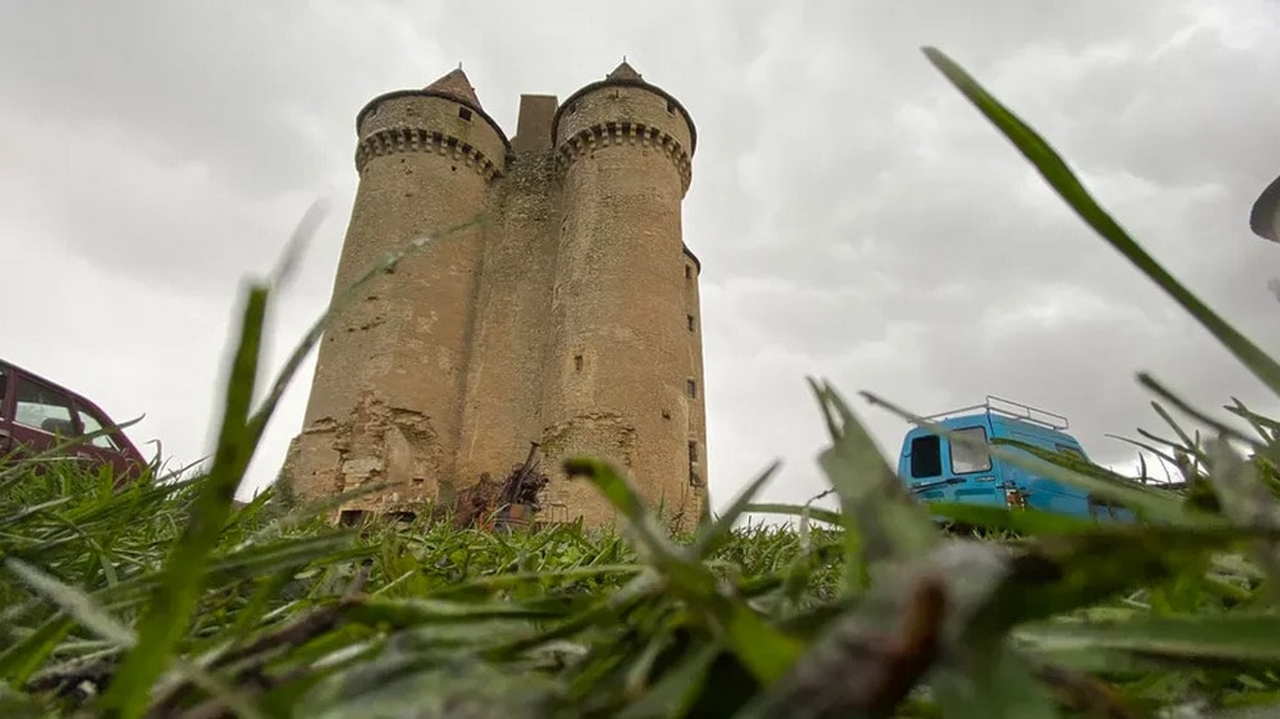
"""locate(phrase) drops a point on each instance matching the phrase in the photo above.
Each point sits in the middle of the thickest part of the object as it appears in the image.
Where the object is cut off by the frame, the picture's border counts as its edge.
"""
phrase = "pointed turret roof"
(456, 85)
(626, 75)
(624, 71)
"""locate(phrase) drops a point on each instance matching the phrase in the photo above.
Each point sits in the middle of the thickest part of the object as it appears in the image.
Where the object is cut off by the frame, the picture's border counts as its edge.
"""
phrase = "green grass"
(166, 598)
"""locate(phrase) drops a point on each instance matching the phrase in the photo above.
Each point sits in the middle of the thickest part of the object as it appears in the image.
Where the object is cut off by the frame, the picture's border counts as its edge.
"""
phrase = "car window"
(43, 408)
(926, 456)
(966, 459)
(91, 425)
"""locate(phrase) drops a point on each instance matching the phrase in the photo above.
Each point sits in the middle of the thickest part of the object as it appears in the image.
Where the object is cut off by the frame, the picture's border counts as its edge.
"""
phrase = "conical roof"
(623, 71)
(456, 85)
(624, 74)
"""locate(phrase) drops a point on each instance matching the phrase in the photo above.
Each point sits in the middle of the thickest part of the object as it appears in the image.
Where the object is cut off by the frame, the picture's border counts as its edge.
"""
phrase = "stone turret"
(624, 375)
(556, 302)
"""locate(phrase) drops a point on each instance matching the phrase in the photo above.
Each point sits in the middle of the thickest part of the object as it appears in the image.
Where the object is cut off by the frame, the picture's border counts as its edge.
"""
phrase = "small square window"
(689, 318)
(464, 113)
(692, 387)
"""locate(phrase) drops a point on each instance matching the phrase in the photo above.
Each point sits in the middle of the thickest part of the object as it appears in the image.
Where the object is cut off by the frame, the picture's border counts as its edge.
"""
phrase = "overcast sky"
(855, 218)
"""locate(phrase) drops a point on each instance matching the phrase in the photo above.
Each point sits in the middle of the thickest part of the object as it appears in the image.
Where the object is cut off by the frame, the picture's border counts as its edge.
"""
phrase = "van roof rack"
(1010, 408)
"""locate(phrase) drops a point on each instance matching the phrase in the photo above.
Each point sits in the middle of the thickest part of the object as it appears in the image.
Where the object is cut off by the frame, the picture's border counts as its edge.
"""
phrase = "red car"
(36, 414)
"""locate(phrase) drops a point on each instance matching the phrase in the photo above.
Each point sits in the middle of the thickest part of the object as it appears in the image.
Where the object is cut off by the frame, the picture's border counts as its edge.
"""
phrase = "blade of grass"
(74, 602)
(795, 510)
(1059, 176)
(713, 536)
(1222, 637)
(175, 597)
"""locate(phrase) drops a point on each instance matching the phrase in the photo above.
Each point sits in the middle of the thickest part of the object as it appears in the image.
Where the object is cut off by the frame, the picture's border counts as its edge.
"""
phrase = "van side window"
(926, 456)
(969, 459)
(43, 408)
(91, 425)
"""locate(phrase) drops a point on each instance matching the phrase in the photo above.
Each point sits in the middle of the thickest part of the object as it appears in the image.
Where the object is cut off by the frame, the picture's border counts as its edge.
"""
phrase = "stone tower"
(555, 303)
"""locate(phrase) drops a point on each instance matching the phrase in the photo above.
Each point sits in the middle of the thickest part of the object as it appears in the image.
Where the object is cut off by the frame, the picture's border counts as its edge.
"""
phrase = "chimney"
(533, 128)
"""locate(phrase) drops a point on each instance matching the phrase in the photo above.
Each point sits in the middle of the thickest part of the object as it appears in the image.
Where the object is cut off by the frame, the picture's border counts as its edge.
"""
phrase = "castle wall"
(505, 373)
(385, 403)
(618, 367)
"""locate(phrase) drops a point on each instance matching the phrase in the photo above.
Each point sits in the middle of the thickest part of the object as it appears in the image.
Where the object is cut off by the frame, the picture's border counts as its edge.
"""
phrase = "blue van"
(938, 470)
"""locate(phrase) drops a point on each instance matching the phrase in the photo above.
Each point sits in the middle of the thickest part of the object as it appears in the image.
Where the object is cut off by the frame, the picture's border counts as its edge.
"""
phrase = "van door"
(972, 469)
(41, 415)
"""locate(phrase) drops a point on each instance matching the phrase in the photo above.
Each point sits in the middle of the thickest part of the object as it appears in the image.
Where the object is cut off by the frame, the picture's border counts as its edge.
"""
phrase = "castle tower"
(623, 369)
(385, 402)
(567, 317)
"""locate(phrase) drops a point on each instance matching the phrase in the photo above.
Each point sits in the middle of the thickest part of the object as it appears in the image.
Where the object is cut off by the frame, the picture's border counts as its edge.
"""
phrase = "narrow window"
(690, 320)
(577, 363)
(694, 479)
(573, 107)
(671, 107)
(692, 387)
(926, 457)
(464, 113)
(688, 272)
(965, 459)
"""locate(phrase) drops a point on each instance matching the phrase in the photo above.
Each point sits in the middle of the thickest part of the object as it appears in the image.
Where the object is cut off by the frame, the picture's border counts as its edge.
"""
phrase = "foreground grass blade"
(1059, 176)
(713, 535)
(795, 510)
(1222, 638)
(881, 521)
(74, 602)
(762, 648)
(175, 597)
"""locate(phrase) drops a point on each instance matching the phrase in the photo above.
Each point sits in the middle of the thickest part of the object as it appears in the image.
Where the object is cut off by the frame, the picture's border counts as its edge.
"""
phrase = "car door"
(42, 415)
(104, 448)
(6, 413)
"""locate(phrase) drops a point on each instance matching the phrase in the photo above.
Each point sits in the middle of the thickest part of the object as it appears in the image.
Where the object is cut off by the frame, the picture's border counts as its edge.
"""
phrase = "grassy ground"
(167, 599)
